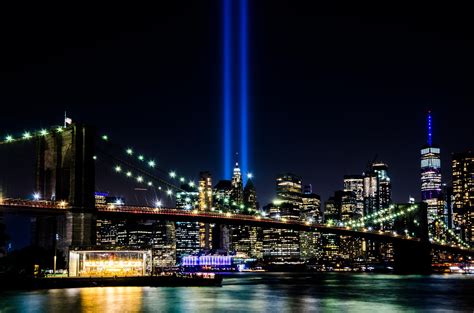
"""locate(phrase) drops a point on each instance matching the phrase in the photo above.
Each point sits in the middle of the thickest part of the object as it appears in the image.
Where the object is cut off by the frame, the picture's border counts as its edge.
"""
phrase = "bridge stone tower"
(65, 166)
(65, 171)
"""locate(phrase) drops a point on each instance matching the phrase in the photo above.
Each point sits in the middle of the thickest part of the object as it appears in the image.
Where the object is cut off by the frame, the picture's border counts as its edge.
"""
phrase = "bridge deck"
(121, 211)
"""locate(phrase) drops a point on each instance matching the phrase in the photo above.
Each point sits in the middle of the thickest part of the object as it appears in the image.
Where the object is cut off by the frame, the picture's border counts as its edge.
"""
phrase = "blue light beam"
(243, 89)
(227, 86)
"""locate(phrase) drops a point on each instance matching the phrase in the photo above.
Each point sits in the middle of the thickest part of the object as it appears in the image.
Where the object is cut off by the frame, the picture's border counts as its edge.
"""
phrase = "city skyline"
(323, 115)
(277, 154)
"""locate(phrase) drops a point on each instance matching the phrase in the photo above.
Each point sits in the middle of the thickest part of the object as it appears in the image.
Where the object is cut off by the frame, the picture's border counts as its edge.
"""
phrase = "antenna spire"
(430, 131)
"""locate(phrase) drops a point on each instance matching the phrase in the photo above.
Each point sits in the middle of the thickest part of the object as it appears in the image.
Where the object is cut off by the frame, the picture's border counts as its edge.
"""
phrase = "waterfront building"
(113, 263)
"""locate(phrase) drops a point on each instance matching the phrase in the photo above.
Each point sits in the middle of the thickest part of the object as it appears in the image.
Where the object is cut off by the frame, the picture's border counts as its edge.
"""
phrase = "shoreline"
(131, 281)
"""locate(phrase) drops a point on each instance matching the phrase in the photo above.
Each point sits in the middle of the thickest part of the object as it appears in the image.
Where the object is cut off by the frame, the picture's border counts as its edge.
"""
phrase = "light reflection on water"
(269, 292)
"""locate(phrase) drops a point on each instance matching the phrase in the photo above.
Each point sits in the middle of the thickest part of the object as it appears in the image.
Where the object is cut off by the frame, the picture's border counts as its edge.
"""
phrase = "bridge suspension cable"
(28, 135)
(449, 232)
(150, 163)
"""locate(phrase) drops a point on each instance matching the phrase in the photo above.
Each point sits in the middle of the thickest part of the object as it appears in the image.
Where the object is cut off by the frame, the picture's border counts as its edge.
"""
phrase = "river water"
(264, 292)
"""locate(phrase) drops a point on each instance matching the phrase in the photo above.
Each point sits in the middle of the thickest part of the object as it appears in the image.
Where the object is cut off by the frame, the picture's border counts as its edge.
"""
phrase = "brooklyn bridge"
(65, 175)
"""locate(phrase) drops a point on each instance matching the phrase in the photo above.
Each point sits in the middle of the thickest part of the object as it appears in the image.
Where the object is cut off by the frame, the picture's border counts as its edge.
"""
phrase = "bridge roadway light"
(129, 151)
(36, 196)
(158, 203)
(26, 135)
(141, 157)
(118, 169)
(9, 138)
(151, 163)
(172, 174)
(43, 132)
(129, 174)
(182, 179)
(59, 129)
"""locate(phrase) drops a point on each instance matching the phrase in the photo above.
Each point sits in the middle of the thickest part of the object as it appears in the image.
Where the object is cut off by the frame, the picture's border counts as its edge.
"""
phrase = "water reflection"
(111, 299)
(269, 292)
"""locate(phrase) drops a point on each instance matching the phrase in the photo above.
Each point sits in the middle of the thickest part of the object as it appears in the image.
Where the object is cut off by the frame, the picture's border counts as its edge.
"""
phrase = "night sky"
(328, 91)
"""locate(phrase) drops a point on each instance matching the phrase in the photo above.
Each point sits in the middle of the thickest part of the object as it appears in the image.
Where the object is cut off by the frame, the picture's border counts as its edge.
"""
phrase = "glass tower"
(430, 174)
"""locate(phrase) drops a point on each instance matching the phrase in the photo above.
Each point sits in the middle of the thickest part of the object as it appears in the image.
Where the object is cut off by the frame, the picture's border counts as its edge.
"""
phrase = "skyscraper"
(289, 189)
(250, 196)
(311, 206)
(377, 188)
(282, 245)
(248, 239)
(237, 186)
(463, 194)
(222, 195)
(205, 191)
(187, 233)
(370, 192)
(205, 204)
(430, 174)
(310, 212)
(355, 184)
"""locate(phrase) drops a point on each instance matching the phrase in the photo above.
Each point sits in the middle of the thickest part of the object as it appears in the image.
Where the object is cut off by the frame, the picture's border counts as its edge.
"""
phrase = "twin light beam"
(228, 84)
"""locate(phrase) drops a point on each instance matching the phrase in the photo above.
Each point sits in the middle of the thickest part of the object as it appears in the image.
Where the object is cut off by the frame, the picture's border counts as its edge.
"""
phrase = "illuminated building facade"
(247, 240)
(250, 196)
(377, 188)
(103, 263)
(384, 186)
(187, 233)
(370, 193)
(237, 195)
(310, 242)
(430, 174)
(205, 191)
(111, 232)
(222, 195)
(463, 194)
(282, 245)
(205, 204)
(310, 206)
(355, 184)
(341, 207)
(159, 236)
(289, 189)
(163, 244)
